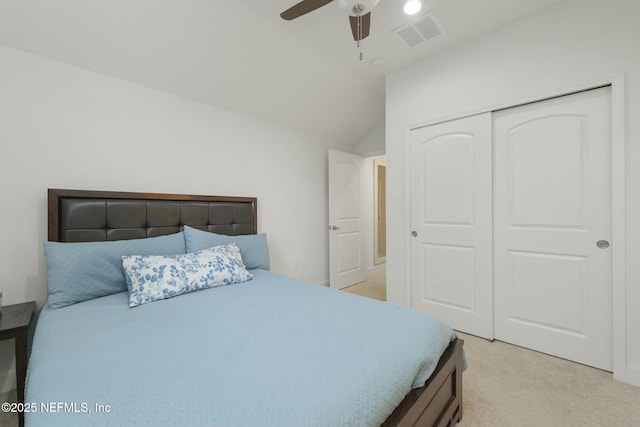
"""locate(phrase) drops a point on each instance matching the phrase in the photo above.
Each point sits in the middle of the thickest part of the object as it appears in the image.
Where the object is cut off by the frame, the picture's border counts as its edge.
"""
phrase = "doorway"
(357, 214)
(347, 206)
(380, 211)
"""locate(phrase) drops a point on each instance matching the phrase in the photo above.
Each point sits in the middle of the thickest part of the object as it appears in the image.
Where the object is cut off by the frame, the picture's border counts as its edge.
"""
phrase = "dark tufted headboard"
(82, 216)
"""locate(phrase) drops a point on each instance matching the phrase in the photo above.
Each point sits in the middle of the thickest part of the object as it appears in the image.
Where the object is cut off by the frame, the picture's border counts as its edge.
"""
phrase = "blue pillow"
(82, 271)
(153, 278)
(253, 247)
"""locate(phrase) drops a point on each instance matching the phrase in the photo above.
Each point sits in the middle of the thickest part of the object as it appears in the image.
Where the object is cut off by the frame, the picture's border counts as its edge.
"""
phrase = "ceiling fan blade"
(303, 8)
(366, 26)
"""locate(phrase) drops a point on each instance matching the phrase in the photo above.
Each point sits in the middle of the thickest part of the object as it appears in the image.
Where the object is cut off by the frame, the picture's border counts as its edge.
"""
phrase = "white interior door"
(346, 230)
(552, 205)
(451, 204)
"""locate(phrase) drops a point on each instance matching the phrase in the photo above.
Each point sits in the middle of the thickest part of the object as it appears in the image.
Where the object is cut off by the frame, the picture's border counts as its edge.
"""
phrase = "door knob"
(333, 227)
(414, 233)
(602, 244)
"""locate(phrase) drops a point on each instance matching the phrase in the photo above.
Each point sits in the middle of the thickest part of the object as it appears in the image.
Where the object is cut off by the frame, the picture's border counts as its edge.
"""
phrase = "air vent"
(424, 28)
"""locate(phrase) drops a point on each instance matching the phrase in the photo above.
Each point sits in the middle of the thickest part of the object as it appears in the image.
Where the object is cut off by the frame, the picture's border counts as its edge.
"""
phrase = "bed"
(267, 351)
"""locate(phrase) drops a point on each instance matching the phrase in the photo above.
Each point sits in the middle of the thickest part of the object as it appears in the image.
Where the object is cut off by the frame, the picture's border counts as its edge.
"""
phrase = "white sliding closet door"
(451, 200)
(552, 213)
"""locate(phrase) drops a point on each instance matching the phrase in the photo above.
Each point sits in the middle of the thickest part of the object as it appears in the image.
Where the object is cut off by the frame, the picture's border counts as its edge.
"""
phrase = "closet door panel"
(552, 281)
(451, 251)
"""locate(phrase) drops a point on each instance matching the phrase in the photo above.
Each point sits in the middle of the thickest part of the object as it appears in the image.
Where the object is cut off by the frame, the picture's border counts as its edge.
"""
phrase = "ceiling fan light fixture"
(411, 7)
(357, 7)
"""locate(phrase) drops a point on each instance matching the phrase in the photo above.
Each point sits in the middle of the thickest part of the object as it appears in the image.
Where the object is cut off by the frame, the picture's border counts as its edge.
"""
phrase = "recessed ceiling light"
(411, 7)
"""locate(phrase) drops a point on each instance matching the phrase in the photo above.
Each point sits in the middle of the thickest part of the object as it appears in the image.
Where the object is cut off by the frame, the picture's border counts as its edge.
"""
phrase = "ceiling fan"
(359, 14)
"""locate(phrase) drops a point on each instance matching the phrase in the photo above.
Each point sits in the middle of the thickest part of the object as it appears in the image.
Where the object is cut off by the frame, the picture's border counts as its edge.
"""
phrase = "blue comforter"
(273, 351)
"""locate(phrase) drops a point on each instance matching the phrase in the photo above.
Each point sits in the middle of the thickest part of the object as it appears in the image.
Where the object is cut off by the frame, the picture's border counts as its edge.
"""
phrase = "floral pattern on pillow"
(152, 278)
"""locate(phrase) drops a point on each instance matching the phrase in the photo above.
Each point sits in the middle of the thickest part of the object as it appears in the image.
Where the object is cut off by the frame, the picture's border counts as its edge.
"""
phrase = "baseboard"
(633, 376)
(7, 381)
(376, 269)
(371, 270)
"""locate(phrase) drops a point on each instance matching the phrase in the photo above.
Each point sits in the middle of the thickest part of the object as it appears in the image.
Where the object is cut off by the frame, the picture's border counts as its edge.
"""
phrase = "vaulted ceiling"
(240, 55)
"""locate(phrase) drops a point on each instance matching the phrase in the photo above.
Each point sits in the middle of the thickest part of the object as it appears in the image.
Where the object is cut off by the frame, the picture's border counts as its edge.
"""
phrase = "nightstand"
(14, 323)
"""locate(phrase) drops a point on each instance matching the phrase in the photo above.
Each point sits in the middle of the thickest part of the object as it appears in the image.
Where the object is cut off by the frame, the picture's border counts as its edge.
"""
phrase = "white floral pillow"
(152, 278)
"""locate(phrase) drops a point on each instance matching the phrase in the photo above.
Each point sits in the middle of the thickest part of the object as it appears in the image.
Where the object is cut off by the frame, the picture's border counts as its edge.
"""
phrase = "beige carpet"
(507, 385)
(374, 287)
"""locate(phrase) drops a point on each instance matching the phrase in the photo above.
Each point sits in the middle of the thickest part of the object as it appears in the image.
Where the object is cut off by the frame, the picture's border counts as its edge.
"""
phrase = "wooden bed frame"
(438, 403)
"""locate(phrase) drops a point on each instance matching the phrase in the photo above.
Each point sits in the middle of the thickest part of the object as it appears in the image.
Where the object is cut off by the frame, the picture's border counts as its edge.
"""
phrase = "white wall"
(64, 127)
(574, 41)
(373, 144)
